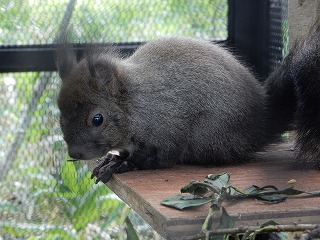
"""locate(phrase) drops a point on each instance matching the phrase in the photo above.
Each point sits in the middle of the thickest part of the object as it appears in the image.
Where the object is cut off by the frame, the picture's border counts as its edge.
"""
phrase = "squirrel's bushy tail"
(305, 72)
(281, 99)
(293, 93)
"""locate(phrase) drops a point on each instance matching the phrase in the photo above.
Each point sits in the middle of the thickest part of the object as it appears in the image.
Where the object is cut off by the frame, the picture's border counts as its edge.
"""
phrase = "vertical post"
(248, 31)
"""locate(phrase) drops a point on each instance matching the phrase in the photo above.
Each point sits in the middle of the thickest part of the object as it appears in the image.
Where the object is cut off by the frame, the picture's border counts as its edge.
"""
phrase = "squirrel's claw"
(112, 162)
(105, 169)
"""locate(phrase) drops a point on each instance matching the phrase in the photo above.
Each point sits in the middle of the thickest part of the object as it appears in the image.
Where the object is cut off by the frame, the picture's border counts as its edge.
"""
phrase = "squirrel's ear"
(65, 60)
(105, 76)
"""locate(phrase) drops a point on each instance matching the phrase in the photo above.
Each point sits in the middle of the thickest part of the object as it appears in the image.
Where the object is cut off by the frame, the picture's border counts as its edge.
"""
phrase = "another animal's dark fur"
(186, 100)
(305, 72)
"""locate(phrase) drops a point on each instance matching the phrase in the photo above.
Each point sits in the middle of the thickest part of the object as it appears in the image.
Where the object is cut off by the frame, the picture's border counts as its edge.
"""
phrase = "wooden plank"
(144, 190)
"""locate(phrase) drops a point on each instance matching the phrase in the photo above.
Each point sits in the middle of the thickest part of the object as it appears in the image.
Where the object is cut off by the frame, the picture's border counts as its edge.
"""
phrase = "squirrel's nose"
(75, 153)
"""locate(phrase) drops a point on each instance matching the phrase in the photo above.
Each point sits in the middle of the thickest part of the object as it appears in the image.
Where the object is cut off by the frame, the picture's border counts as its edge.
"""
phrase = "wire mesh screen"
(278, 45)
(41, 194)
(37, 22)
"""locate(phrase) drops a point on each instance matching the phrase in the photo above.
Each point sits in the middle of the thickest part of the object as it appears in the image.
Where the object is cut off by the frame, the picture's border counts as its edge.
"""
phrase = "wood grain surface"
(144, 190)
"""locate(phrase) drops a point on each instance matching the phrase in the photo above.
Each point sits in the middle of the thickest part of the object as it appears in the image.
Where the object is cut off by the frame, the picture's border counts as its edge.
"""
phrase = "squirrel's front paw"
(113, 162)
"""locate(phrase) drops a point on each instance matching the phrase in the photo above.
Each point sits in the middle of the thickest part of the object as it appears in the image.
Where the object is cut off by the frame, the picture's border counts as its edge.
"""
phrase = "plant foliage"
(215, 189)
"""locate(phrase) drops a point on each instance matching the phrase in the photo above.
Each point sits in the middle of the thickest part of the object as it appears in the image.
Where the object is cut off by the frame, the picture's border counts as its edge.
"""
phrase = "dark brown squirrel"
(183, 100)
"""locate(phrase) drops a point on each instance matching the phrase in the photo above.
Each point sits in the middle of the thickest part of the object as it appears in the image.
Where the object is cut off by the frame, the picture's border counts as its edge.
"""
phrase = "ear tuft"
(65, 56)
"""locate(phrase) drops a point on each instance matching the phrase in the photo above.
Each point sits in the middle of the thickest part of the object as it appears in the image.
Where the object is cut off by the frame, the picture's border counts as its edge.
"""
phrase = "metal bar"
(41, 57)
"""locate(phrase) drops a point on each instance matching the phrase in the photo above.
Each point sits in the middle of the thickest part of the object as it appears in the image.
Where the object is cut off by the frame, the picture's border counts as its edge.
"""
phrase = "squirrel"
(184, 100)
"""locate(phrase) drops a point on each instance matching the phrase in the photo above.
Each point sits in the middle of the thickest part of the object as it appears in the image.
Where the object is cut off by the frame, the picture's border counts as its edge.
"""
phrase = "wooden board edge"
(154, 218)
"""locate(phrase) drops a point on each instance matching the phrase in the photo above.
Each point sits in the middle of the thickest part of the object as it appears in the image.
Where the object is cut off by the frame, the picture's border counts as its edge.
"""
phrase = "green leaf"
(181, 201)
(113, 213)
(212, 183)
(247, 234)
(20, 229)
(58, 234)
(273, 198)
(267, 193)
(263, 227)
(131, 232)
(43, 180)
(269, 223)
(218, 180)
(251, 189)
(85, 183)
(196, 188)
(69, 176)
(226, 221)
(314, 193)
(108, 203)
(291, 191)
(86, 208)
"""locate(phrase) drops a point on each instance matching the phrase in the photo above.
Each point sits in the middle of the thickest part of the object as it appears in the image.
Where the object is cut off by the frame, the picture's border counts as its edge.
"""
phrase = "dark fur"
(182, 100)
(305, 72)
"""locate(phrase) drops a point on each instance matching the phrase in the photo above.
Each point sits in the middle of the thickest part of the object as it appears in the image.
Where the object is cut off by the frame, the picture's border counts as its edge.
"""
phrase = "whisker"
(74, 160)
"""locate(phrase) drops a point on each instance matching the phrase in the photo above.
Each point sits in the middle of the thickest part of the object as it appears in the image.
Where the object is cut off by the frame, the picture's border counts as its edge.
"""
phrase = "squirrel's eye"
(97, 120)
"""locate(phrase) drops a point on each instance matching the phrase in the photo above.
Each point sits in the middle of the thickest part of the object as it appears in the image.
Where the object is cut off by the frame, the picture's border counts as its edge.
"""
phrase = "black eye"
(97, 120)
